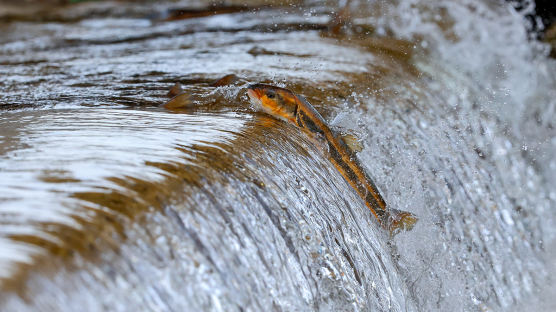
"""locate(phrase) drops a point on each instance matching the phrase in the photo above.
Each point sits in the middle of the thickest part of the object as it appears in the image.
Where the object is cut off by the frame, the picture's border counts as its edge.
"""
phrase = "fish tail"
(396, 221)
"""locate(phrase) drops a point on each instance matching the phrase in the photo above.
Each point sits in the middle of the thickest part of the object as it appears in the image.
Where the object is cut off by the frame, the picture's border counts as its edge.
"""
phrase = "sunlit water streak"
(76, 150)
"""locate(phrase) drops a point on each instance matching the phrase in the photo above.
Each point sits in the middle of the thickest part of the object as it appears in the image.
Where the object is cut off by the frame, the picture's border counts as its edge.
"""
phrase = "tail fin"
(397, 221)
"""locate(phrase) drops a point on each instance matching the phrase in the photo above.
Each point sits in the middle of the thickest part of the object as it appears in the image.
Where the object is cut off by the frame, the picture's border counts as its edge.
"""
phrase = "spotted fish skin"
(285, 105)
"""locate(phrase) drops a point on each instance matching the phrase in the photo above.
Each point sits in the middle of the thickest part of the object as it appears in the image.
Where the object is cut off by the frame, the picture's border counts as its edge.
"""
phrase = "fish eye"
(271, 95)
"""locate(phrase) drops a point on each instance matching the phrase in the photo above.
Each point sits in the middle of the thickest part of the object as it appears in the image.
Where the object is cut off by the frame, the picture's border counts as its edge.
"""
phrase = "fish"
(283, 104)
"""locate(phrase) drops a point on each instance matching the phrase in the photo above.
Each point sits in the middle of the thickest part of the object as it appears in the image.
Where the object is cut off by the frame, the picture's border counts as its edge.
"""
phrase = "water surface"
(109, 201)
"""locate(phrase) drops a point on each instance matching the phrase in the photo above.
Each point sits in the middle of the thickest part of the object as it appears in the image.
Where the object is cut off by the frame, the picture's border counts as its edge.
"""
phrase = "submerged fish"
(286, 105)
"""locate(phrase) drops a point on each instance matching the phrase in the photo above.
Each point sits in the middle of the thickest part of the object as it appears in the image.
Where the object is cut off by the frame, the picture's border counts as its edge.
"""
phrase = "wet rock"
(213, 9)
(256, 51)
(550, 38)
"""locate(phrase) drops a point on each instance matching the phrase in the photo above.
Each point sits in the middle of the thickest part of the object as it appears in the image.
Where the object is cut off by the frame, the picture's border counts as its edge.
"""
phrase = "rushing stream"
(111, 202)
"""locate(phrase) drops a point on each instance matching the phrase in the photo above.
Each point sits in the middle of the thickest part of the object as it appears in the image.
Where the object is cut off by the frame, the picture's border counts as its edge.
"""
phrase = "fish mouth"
(254, 98)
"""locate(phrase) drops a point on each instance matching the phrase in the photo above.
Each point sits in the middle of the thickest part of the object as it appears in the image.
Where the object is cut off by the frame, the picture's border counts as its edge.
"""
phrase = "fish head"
(276, 101)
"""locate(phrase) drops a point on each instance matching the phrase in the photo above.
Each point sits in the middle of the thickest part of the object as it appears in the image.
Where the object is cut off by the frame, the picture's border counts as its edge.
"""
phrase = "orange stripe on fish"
(286, 105)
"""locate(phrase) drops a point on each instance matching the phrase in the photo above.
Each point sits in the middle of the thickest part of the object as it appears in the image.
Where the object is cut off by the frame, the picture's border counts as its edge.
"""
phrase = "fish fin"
(398, 220)
(179, 101)
(176, 90)
(224, 81)
(352, 142)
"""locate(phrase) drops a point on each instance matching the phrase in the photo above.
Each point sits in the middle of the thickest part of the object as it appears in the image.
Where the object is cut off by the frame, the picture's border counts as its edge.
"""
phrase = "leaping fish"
(285, 105)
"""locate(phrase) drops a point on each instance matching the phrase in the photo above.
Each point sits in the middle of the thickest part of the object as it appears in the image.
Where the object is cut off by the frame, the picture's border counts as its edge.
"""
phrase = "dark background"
(546, 10)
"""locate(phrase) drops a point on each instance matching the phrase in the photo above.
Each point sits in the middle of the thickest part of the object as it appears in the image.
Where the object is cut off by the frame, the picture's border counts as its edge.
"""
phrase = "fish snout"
(255, 90)
(254, 97)
(252, 94)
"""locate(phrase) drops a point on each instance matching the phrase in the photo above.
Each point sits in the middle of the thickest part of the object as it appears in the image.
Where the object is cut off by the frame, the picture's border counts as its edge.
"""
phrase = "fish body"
(286, 105)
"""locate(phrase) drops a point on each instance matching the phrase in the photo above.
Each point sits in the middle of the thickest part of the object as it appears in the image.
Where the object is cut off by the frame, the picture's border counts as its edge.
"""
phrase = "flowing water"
(109, 201)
